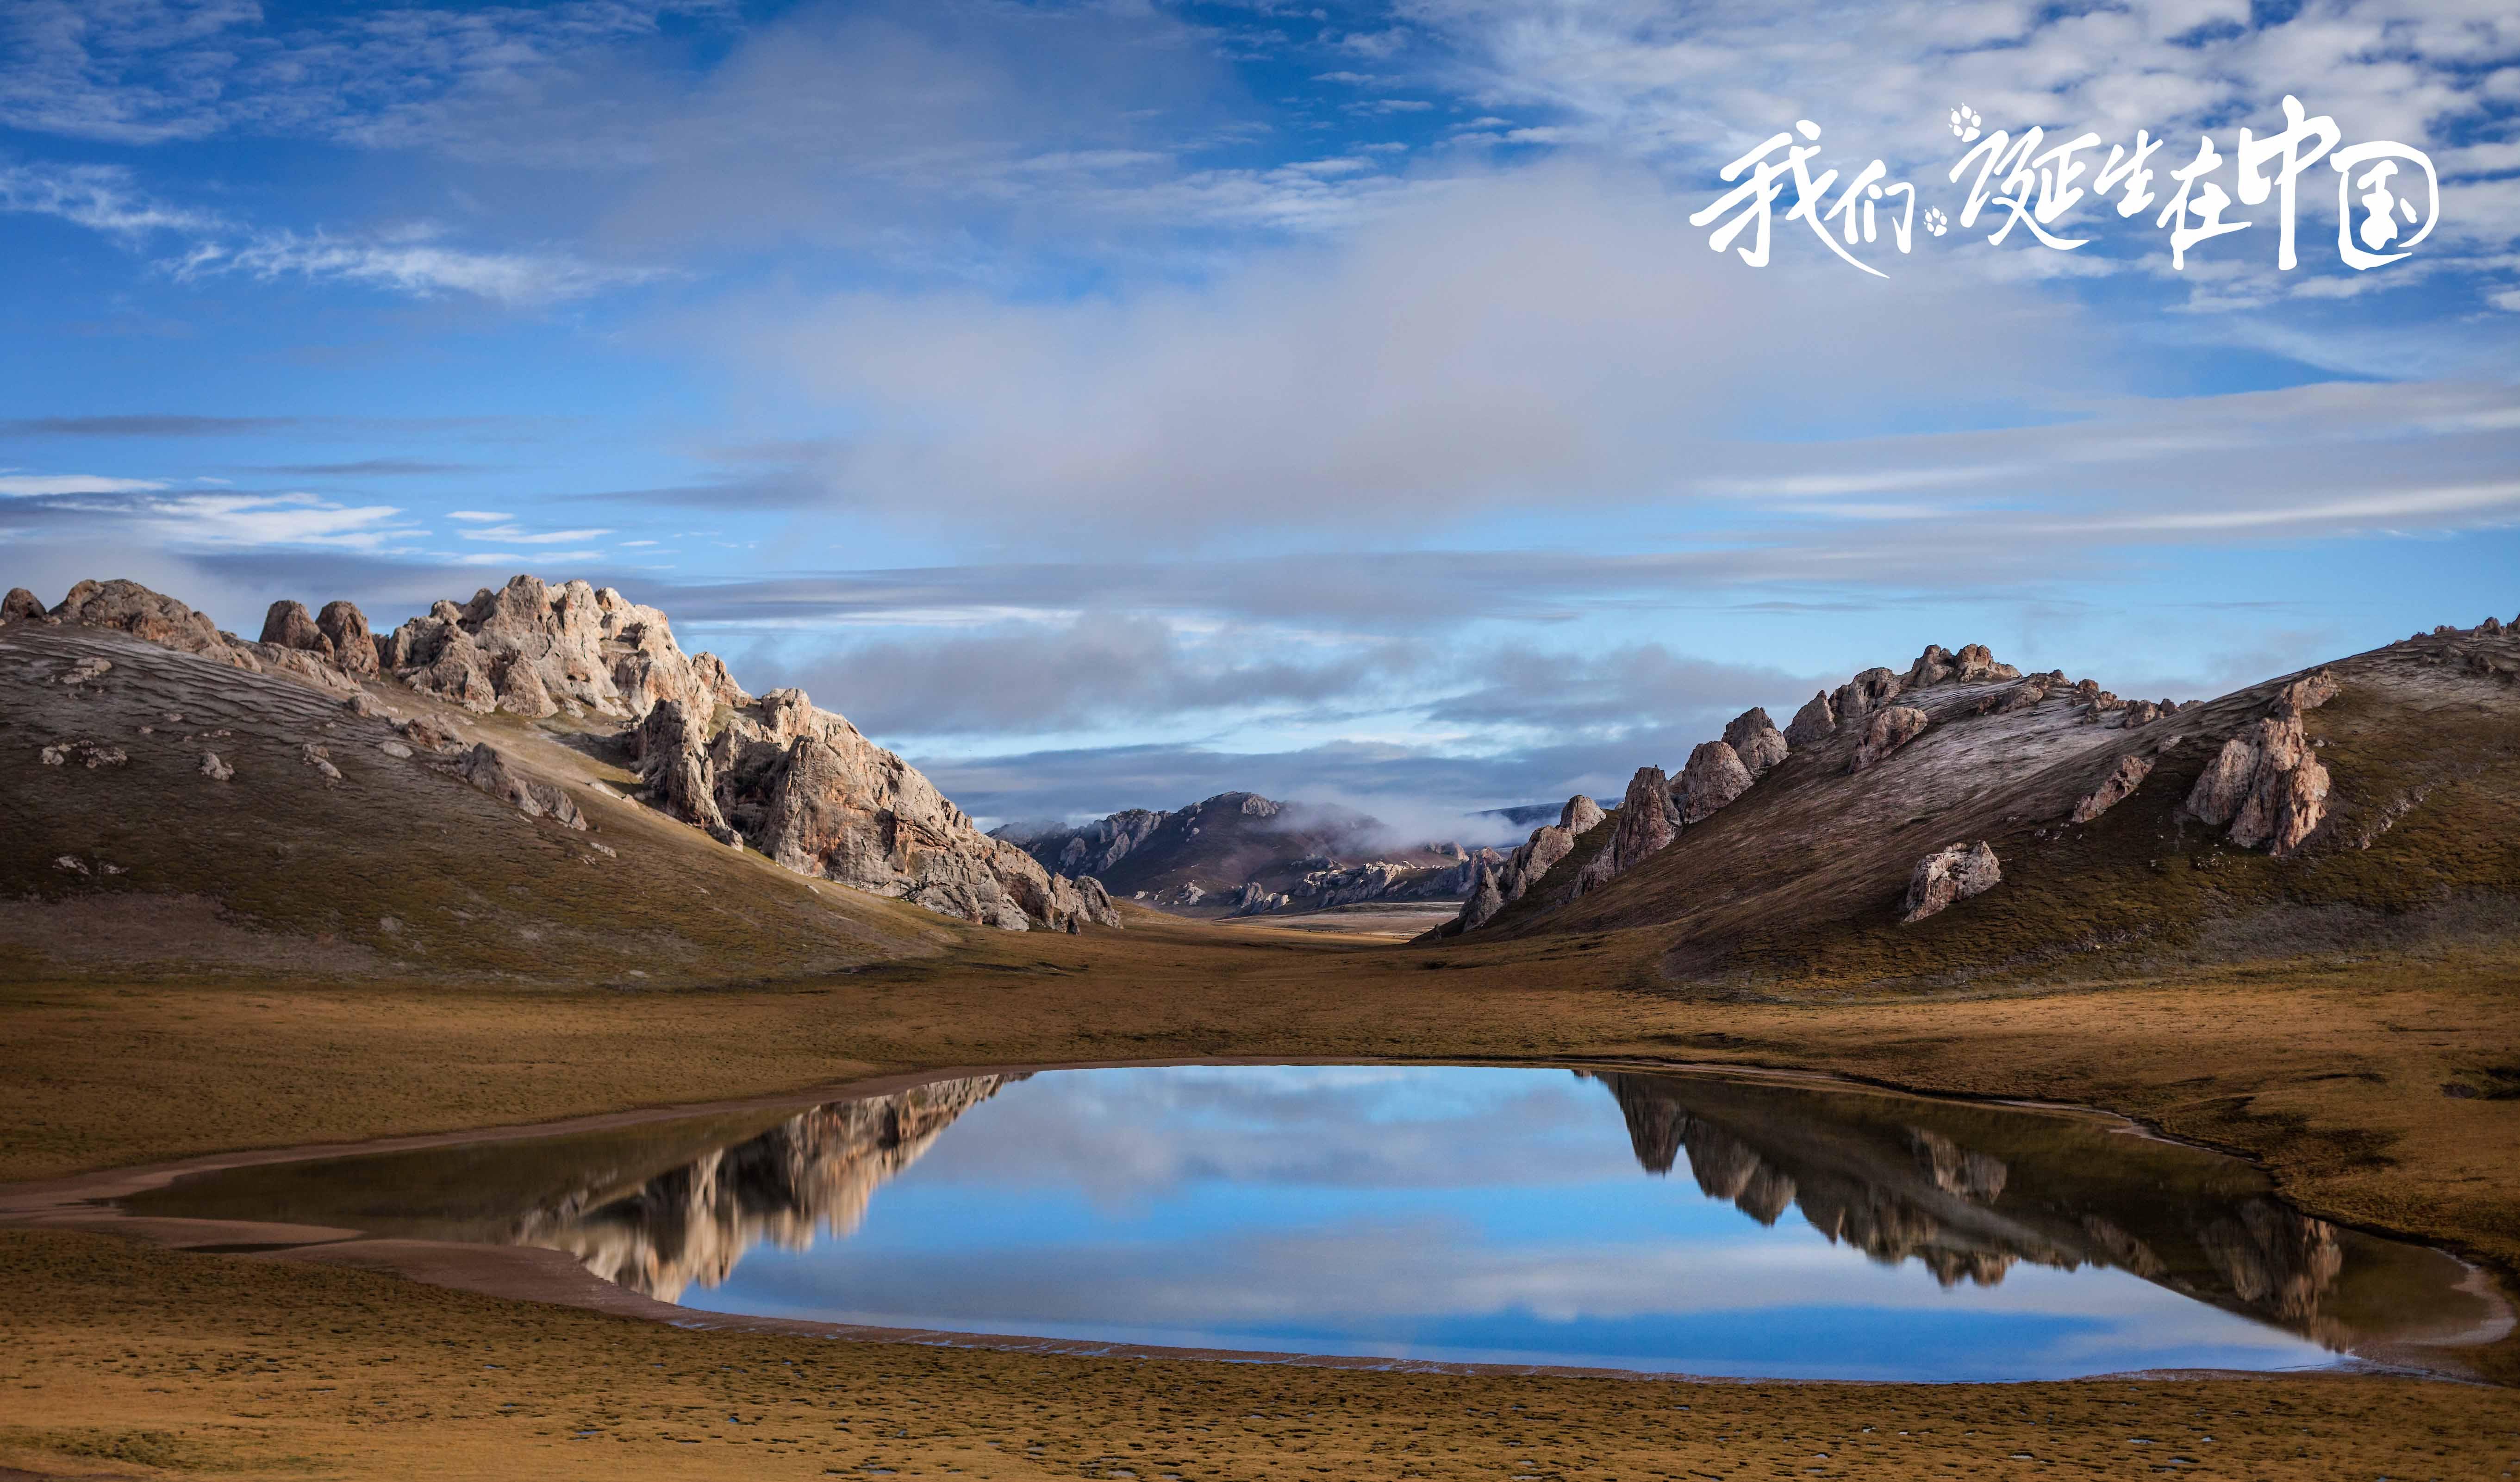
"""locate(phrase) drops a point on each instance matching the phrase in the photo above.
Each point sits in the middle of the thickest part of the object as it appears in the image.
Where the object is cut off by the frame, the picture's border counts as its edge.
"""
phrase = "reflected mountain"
(1967, 1193)
(813, 1174)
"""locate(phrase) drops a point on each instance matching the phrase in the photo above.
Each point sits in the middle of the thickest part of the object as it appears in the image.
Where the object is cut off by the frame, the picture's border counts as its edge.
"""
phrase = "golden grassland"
(125, 1360)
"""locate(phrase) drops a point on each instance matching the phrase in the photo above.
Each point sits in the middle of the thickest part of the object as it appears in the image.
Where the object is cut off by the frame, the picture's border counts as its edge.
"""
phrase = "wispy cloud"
(105, 199)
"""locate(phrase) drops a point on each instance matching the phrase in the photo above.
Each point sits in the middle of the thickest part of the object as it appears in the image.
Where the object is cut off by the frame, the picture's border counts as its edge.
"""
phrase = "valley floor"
(118, 1359)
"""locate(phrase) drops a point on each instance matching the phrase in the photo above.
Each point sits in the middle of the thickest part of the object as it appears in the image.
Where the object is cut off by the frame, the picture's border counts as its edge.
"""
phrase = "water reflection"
(1450, 1213)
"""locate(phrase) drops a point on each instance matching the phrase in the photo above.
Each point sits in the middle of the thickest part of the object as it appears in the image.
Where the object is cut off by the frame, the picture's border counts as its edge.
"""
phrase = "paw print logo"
(1935, 222)
(1964, 123)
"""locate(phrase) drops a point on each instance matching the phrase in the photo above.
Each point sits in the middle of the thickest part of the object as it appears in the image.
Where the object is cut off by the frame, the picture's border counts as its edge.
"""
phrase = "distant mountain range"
(1242, 854)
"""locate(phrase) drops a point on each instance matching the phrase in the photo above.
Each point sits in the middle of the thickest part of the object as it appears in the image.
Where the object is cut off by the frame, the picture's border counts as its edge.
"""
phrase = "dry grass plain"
(118, 1358)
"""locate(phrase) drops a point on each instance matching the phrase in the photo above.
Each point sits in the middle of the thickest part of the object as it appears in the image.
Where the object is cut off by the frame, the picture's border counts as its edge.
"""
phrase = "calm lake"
(1702, 1223)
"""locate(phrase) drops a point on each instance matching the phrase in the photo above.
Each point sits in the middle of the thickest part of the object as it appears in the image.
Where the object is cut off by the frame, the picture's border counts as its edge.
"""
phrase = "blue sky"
(1109, 404)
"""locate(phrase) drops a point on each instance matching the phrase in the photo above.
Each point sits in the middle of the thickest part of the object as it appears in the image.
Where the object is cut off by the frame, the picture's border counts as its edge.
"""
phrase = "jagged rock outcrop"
(1814, 723)
(1496, 885)
(1649, 821)
(1857, 698)
(1886, 732)
(1713, 778)
(1756, 740)
(536, 650)
(1946, 875)
(130, 608)
(805, 787)
(2266, 784)
(2117, 788)
(289, 625)
(531, 796)
(1104, 843)
(20, 606)
(345, 628)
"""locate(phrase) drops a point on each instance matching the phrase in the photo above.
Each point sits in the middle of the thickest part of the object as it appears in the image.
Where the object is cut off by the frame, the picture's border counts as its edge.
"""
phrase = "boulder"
(1946, 875)
(345, 627)
(21, 606)
(289, 625)
(1887, 731)
(1712, 780)
(361, 703)
(531, 796)
(214, 769)
(1756, 740)
(1860, 696)
(1814, 723)
(2138, 713)
(2117, 788)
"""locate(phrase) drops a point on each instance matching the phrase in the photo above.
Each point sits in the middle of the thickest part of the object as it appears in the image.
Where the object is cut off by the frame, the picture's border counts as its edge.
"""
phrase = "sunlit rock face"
(812, 1175)
(537, 650)
(1902, 1193)
(807, 788)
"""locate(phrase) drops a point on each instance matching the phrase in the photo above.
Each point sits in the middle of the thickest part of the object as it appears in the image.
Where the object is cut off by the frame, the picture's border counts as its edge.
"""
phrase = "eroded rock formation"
(1946, 875)
(1649, 821)
(1756, 741)
(485, 769)
(2267, 783)
(1496, 884)
(2115, 788)
(1814, 723)
(536, 650)
(1884, 734)
(1713, 778)
(805, 787)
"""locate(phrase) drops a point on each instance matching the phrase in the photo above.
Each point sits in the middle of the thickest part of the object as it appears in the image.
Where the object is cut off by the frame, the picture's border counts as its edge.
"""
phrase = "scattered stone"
(533, 797)
(422, 734)
(2028, 694)
(395, 749)
(361, 703)
(1814, 723)
(1756, 740)
(214, 769)
(321, 760)
(1950, 874)
(70, 864)
(1712, 780)
(87, 671)
(88, 753)
(2140, 712)
(2120, 785)
(1886, 733)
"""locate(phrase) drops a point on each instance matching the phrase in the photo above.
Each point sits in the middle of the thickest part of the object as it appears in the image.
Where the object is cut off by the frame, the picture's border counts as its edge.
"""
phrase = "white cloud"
(476, 515)
(105, 199)
(22, 484)
(522, 537)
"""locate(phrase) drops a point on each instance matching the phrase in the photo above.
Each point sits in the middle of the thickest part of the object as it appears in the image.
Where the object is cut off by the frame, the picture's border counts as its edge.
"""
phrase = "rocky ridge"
(799, 784)
(1870, 719)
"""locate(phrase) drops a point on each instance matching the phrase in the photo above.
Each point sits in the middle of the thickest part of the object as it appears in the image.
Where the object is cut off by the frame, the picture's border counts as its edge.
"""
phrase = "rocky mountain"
(1958, 817)
(1242, 854)
(146, 751)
